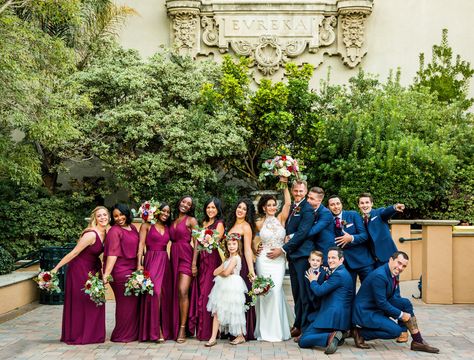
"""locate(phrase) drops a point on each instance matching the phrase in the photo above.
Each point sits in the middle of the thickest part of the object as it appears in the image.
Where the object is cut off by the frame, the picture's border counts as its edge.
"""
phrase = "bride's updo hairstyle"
(263, 202)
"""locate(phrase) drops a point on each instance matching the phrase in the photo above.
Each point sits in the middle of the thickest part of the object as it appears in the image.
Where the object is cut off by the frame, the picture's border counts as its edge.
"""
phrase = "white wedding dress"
(274, 315)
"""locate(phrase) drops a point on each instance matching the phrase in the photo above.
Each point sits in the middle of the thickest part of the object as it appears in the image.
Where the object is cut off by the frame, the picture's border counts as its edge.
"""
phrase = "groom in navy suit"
(376, 223)
(378, 302)
(297, 249)
(334, 316)
(322, 231)
(352, 236)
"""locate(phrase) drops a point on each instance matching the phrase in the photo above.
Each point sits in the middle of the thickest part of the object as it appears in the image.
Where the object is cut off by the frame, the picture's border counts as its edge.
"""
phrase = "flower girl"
(227, 298)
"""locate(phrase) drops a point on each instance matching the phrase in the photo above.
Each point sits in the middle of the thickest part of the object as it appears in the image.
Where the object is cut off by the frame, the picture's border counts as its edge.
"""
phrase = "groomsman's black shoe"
(294, 332)
(416, 346)
(333, 342)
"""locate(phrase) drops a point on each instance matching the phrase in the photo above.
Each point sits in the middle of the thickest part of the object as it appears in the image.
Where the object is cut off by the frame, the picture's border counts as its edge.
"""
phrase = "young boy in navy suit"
(315, 260)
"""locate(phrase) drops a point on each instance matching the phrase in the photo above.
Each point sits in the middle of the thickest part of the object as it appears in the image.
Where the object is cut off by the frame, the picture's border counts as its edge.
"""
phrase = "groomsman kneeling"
(378, 302)
(336, 295)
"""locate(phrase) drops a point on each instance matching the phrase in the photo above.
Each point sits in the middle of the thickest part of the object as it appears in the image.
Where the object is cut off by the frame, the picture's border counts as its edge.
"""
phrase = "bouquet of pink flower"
(95, 288)
(260, 287)
(48, 281)
(282, 165)
(139, 282)
(207, 239)
(148, 211)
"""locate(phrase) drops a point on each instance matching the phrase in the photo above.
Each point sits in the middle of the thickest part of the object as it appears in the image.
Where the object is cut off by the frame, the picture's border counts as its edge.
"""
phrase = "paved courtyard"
(35, 335)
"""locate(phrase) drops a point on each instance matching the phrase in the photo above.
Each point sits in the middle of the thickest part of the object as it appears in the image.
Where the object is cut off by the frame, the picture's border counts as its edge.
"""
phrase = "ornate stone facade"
(271, 33)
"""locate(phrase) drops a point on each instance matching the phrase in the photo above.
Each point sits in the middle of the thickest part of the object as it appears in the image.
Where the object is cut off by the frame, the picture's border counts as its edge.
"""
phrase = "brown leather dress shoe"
(416, 346)
(295, 332)
(359, 340)
(403, 338)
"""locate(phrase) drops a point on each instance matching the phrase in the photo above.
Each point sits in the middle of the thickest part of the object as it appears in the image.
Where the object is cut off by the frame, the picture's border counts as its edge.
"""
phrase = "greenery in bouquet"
(207, 239)
(260, 287)
(95, 288)
(48, 281)
(148, 211)
(282, 165)
(139, 282)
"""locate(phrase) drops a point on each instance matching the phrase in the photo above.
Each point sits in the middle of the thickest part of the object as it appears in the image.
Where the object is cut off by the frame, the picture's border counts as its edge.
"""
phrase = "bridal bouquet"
(48, 281)
(148, 211)
(139, 282)
(281, 165)
(95, 288)
(260, 287)
(207, 239)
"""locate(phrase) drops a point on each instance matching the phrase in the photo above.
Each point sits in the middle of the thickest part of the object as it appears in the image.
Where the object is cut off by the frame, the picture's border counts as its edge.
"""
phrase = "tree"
(152, 126)
(450, 80)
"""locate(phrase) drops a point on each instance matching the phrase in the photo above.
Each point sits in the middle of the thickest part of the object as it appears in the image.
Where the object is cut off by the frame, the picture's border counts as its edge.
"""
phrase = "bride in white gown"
(274, 316)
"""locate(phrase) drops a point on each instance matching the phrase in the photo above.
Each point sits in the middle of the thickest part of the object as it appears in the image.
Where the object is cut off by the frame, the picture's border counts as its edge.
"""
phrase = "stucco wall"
(396, 32)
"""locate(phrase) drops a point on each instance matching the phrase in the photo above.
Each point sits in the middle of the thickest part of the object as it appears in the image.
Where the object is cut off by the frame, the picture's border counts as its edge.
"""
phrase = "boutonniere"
(297, 210)
(343, 223)
(326, 276)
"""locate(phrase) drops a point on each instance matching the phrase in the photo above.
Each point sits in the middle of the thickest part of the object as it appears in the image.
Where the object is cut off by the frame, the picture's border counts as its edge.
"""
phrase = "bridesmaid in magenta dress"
(243, 223)
(83, 321)
(203, 266)
(181, 258)
(120, 253)
(156, 315)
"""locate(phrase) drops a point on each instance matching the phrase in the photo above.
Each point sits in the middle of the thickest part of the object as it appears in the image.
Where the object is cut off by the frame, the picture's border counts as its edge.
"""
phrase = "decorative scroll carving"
(353, 37)
(295, 48)
(327, 35)
(185, 27)
(210, 34)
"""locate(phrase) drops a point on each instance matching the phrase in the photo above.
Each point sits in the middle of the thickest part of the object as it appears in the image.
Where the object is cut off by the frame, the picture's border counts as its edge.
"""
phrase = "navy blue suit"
(379, 233)
(322, 230)
(357, 255)
(297, 250)
(315, 302)
(377, 301)
(336, 295)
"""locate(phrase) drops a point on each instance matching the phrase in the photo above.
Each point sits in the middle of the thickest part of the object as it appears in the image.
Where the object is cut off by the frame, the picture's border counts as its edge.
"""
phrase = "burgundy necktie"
(366, 219)
(338, 222)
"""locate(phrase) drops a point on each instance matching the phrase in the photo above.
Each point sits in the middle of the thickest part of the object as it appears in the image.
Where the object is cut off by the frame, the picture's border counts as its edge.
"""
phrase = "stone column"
(437, 260)
(402, 229)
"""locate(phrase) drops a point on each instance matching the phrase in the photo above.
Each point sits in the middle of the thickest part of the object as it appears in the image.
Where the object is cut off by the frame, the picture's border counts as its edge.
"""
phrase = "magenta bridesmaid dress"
(181, 257)
(83, 321)
(200, 320)
(156, 309)
(123, 244)
(250, 314)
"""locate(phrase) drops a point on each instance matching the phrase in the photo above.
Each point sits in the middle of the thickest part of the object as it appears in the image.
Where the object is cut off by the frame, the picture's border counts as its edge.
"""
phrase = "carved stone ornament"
(353, 37)
(271, 33)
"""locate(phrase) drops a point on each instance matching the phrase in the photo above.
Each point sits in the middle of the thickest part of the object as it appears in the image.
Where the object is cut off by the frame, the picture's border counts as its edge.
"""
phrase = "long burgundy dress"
(83, 321)
(181, 257)
(200, 320)
(123, 244)
(250, 314)
(156, 309)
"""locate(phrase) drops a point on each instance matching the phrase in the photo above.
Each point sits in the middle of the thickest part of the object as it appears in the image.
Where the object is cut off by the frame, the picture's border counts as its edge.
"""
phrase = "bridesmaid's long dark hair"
(218, 205)
(125, 210)
(249, 216)
(191, 209)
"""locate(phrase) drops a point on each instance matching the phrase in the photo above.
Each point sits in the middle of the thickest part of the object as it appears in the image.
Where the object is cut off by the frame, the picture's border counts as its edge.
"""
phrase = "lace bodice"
(237, 268)
(272, 233)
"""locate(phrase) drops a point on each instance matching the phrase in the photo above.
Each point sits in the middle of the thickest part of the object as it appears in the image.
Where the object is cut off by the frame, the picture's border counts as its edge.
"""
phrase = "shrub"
(6, 262)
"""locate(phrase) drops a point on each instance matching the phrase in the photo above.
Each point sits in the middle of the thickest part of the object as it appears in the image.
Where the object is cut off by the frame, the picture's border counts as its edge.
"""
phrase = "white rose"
(140, 278)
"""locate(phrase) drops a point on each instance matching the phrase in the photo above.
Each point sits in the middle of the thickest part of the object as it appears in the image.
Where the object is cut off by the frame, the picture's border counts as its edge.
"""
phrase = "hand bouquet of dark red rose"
(48, 281)
(207, 239)
(260, 287)
(95, 288)
(139, 282)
